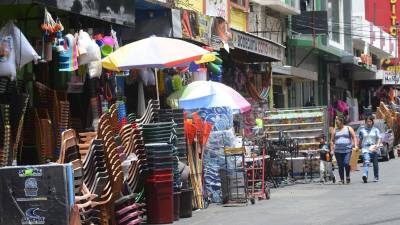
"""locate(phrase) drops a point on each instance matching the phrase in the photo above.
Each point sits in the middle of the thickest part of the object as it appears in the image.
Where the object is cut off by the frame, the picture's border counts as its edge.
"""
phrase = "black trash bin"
(186, 203)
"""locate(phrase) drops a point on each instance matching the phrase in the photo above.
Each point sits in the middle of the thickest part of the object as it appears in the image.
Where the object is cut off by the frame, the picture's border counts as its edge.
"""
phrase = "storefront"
(297, 86)
(251, 57)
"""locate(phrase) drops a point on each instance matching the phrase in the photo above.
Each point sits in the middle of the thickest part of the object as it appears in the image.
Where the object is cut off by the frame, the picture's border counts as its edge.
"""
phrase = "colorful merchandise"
(69, 56)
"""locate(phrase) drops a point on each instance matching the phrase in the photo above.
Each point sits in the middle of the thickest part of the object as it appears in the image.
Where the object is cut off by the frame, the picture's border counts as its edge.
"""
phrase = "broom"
(190, 133)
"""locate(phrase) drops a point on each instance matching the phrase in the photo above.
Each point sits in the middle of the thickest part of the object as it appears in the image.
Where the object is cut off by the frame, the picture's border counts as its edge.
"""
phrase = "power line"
(348, 34)
(342, 23)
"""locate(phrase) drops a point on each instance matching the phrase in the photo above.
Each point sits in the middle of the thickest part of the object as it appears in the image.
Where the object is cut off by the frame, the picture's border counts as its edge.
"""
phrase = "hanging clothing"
(69, 55)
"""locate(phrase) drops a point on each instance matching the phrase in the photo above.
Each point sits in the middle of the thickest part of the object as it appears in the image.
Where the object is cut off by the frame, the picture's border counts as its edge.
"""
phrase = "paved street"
(316, 204)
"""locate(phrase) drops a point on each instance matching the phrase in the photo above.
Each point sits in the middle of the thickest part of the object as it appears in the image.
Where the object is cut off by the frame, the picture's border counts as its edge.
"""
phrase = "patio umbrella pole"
(156, 77)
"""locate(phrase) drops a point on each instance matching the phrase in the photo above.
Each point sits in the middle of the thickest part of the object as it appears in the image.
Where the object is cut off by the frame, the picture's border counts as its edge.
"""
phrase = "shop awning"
(247, 47)
(294, 72)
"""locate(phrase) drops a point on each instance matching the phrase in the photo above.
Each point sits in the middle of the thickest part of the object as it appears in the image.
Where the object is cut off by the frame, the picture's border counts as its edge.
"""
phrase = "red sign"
(384, 14)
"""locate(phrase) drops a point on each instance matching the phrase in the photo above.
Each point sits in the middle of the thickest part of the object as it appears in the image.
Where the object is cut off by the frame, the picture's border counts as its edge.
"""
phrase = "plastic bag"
(94, 69)
(15, 49)
(24, 52)
(88, 49)
(7, 57)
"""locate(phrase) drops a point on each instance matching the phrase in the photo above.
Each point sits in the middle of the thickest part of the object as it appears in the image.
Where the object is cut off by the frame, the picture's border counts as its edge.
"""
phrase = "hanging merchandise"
(99, 42)
(69, 56)
(201, 74)
(95, 67)
(52, 35)
(210, 57)
(106, 44)
(218, 60)
(49, 26)
(24, 52)
(214, 68)
(15, 50)
(87, 49)
(107, 40)
(114, 36)
(59, 42)
(161, 83)
(194, 67)
(122, 121)
(147, 76)
(176, 82)
(7, 56)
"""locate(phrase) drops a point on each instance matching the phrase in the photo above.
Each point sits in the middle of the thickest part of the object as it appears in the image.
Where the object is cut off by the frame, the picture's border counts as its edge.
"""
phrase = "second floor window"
(334, 19)
(306, 5)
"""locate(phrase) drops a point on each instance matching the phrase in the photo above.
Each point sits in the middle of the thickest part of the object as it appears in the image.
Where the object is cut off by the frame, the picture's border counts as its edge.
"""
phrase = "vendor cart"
(233, 179)
(255, 170)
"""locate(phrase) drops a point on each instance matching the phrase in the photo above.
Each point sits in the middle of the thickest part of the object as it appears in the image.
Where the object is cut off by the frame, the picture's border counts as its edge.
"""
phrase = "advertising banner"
(119, 12)
(217, 8)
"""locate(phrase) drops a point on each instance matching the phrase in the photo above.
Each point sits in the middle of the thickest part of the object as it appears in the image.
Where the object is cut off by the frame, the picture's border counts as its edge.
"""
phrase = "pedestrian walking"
(342, 140)
(325, 161)
(370, 140)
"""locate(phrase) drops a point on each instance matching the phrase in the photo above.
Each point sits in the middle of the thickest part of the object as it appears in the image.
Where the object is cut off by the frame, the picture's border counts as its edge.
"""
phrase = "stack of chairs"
(45, 138)
(107, 134)
(44, 126)
(176, 115)
(5, 135)
(60, 115)
(88, 180)
(163, 132)
(13, 105)
(85, 139)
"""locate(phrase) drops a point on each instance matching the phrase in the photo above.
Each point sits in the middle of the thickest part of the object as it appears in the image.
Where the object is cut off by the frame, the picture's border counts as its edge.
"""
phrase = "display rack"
(304, 124)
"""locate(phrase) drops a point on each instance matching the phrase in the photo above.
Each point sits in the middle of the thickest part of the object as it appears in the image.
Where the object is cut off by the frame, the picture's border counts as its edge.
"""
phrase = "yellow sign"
(194, 5)
(238, 19)
(393, 18)
(393, 68)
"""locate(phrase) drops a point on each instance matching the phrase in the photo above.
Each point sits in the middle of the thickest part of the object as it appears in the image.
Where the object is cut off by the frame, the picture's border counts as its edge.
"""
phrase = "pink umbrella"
(227, 96)
(208, 94)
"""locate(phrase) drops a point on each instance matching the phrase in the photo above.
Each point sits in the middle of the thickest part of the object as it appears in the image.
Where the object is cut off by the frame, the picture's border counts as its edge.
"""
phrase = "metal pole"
(156, 77)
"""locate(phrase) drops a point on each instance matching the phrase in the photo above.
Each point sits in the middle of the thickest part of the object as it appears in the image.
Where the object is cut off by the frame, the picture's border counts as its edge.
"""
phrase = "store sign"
(194, 5)
(393, 18)
(391, 78)
(120, 12)
(257, 45)
(217, 8)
